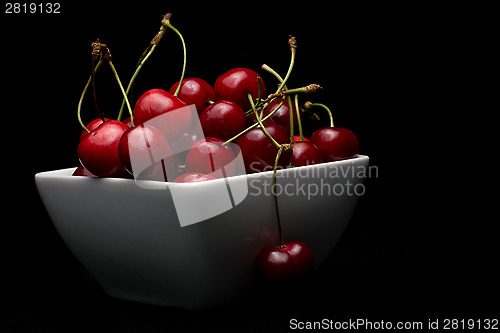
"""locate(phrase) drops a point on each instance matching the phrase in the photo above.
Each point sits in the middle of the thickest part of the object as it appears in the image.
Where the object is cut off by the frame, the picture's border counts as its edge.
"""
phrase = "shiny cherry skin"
(195, 91)
(305, 153)
(144, 147)
(92, 126)
(284, 267)
(259, 152)
(336, 143)
(193, 177)
(98, 151)
(208, 155)
(223, 119)
(157, 102)
(236, 83)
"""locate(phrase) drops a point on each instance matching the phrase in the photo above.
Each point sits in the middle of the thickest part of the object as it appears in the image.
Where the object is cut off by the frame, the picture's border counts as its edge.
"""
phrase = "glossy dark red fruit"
(143, 147)
(336, 143)
(284, 267)
(195, 91)
(92, 126)
(208, 155)
(193, 177)
(259, 152)
(157, 102)
(305, 153)
(223, 119)
(98, 151)
(236, 83)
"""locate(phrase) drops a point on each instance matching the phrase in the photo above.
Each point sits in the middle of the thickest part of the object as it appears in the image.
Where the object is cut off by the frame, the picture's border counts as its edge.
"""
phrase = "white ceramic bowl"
(129, 236)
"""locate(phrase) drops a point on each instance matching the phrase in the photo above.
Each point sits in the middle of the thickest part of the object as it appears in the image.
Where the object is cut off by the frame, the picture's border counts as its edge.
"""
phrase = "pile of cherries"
(237, 110)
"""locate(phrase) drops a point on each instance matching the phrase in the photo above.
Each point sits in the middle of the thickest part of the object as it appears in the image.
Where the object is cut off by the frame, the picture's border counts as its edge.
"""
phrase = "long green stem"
(168, 24)
(78, 112)
(297, 109)
(94, 97)
(259, 84)
(123, 92)
(292, 62)
(250, 98)
(276, 75)
(145, 55)
(313, 87)
(132, 80)
(254, 125)
(275, 196)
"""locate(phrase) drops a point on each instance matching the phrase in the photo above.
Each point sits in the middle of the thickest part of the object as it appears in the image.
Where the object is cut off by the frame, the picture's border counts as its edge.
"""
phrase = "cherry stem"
(293, 47)
(309, 105)
(276, 75)
(99, 51)
(145, 55)
(259, 120)
(94, 97)
(275, 196)
(297, 109)
(291, 118)
(256, 124)
(313, 87)
(259, 84)
(272, 71)
(78, 112)
(123, 92)
(132, 80)
(166, 22)
(156, 39)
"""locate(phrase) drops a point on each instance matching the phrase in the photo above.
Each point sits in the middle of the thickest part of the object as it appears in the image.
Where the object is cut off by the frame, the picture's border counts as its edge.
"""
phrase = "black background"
(412, 81)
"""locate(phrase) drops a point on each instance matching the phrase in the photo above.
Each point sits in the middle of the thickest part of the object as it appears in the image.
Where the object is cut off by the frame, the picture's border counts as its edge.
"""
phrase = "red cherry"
(236, 83)
(287, 266)
(223, 119)
(209, 155)
(336, 143)
(259, 153)
(305, 153)
(144, 147)
(156, 102)
(81, 171)
(92, 126)
(193, 177)
(98, 151)
(195, 91)
(296, 138)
